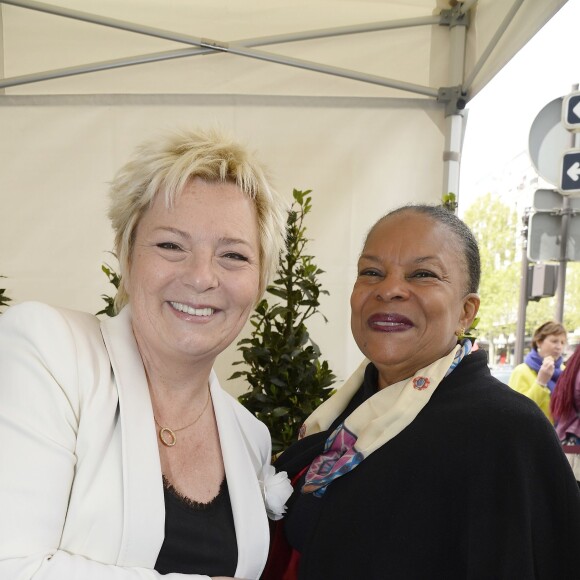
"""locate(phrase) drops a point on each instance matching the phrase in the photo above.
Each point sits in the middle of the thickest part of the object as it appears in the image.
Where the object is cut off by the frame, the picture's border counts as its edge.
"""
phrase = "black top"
(304, 509)
(476, 487)
(200, 538)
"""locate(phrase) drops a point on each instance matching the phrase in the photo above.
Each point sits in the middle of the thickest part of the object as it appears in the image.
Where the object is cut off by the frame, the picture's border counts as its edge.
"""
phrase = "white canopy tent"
(360, 101)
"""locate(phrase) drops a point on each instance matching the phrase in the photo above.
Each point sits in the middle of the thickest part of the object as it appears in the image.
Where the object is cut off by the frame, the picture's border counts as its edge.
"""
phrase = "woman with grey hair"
(122, 457)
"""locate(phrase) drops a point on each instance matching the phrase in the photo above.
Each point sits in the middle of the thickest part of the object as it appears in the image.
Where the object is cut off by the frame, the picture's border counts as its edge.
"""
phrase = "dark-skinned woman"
(422, 465)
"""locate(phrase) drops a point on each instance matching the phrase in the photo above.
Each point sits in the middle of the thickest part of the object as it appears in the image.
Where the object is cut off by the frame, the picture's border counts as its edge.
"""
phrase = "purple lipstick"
(389, 322)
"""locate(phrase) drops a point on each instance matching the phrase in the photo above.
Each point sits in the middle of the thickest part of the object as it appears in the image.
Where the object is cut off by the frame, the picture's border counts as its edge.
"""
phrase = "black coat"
(476, 487)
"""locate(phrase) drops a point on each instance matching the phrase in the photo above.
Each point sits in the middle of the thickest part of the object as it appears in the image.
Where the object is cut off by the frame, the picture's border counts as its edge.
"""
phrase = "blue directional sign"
(571, 112)
(570, 177)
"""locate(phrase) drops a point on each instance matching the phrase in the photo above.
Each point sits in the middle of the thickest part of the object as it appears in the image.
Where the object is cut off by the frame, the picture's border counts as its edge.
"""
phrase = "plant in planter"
(114, 279)
(449, 201)
(3, 298)
(287, 377)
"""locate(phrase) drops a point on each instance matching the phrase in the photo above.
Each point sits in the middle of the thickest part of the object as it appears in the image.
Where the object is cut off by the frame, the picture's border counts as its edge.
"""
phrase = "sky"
(500, 116)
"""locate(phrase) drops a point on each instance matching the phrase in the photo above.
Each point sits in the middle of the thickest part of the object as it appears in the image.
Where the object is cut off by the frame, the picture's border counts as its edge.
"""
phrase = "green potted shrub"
(287, 377)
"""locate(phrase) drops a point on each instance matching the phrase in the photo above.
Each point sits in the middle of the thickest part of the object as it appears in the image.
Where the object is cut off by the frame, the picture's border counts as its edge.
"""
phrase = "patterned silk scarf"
(374, 422)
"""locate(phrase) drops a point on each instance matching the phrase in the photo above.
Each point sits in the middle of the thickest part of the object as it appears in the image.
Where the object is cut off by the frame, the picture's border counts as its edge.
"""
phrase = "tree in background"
(539, 312)
(572, 297)
(287, 377)
(497, 229)
(495, 226)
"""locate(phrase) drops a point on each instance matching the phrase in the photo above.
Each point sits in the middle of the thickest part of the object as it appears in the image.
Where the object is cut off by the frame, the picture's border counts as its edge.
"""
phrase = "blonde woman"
(122, 457)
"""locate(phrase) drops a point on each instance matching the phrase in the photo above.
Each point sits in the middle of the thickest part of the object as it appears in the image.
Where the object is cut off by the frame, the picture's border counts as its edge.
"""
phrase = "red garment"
(283, 560)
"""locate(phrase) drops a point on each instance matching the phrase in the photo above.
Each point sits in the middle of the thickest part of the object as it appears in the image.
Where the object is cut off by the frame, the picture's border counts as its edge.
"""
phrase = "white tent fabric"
(363, 147)
(407, 40)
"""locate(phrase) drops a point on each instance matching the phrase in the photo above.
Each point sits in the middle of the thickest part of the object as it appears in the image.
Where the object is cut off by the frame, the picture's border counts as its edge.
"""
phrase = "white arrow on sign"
(576, 110)
(574, 171)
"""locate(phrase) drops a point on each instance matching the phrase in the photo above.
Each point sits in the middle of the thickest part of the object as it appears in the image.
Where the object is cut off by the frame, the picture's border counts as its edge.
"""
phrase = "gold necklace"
(167, 436)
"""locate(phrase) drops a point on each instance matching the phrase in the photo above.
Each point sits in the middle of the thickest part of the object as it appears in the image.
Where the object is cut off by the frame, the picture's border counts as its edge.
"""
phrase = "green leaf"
(280, 292)
(284, 368)
(115, 280)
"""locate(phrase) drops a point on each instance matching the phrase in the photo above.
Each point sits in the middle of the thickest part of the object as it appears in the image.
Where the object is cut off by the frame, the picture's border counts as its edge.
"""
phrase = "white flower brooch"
(276, 489)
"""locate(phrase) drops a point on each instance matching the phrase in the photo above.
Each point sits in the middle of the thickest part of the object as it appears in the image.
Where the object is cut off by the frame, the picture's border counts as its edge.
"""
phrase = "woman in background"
(565, 407)
(536, 377)
(565, 402)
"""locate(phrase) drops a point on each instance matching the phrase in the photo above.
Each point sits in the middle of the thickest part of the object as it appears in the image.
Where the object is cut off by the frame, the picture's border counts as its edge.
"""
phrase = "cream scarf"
(374, 422)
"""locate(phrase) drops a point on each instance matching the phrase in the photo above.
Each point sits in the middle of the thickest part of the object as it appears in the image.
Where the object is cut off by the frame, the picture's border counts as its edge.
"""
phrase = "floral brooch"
(421, 383)
(276, 489)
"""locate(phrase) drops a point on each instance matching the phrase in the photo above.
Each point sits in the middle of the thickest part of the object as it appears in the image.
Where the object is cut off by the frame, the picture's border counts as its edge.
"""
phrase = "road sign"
(545, 236)
(542, 281)
(570, 175)
(551, 200)
(571, 112)
(547, 200)
(548, 141)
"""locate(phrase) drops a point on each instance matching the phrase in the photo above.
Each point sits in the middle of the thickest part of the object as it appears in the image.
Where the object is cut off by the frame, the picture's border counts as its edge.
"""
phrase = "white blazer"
(81, 492)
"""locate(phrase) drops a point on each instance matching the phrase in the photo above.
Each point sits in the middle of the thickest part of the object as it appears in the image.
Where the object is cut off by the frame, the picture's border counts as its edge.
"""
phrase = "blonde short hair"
(167, 164)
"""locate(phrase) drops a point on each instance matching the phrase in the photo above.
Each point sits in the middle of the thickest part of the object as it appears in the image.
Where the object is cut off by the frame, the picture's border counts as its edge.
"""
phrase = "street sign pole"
(552, 232)
(523, 303)
(561, 286)
(571, 112)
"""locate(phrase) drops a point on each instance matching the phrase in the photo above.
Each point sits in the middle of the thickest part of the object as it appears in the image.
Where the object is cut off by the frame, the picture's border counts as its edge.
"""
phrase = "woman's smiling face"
(410, 295)
(194, 273)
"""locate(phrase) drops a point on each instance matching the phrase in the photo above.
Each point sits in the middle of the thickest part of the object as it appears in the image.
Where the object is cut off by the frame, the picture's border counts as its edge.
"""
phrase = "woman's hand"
(546, 370)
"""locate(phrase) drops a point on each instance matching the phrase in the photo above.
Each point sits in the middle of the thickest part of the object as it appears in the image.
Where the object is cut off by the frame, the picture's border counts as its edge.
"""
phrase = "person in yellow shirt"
(536, 377)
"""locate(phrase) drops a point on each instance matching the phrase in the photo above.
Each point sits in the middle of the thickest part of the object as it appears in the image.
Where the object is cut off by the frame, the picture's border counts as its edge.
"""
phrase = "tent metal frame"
(454, 97)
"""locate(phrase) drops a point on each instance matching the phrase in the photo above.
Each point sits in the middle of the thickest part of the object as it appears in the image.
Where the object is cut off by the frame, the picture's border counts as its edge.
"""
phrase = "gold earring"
(460, 331)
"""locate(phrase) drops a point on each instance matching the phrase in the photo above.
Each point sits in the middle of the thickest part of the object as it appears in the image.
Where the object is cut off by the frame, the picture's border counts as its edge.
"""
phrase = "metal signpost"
(553, 229)
(546, 239)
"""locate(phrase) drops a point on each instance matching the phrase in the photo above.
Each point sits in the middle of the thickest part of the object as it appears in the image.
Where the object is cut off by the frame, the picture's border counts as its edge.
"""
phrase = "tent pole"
(213, 45)
(99, 66)
(333, 70)
(454, 119)
(341, 31)
(452, 154)
(256, 54)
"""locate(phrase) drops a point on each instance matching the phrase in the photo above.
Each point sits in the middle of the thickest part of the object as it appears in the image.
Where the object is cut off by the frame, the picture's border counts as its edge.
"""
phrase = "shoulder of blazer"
(41, 322)
(65, 340)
